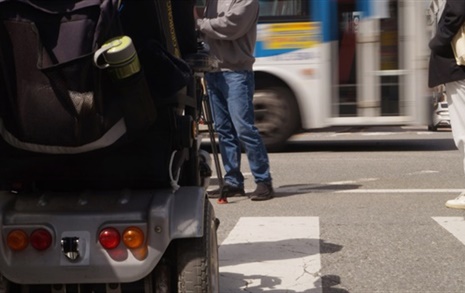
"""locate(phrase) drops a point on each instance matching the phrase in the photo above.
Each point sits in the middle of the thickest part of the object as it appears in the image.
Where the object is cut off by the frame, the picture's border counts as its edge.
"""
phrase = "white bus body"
(322, 63)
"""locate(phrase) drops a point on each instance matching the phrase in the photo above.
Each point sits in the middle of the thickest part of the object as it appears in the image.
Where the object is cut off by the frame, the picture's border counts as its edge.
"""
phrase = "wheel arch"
(263, 78)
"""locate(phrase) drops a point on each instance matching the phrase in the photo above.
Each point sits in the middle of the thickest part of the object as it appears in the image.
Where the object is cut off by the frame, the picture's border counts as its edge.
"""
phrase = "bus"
(325, 63)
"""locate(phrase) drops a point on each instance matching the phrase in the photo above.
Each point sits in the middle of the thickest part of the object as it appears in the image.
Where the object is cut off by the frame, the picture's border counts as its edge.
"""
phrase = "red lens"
(109, 238)
(41, 239)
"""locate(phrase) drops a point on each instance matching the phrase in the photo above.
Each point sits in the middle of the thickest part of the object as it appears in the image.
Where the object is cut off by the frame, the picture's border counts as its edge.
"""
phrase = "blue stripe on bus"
(326, 13)
(366, 7)
(260, 51)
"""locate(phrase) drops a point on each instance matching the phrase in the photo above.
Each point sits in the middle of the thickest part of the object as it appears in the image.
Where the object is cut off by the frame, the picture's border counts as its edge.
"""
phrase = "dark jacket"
(442, 66)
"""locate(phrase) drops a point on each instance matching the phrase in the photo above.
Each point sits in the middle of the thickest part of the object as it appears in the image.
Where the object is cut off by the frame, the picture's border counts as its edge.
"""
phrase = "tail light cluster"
(132, 237)
(40, 239)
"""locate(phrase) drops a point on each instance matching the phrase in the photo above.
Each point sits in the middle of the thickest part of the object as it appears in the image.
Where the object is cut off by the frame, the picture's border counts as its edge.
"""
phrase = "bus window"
(346, 101)
(283, 9)
(389, 60)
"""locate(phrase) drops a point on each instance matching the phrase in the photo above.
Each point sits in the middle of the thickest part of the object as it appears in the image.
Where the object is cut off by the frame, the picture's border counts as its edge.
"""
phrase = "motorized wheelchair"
(101, 182)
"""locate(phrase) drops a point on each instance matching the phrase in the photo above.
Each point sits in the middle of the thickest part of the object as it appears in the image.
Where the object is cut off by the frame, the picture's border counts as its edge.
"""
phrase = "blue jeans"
(231, 94)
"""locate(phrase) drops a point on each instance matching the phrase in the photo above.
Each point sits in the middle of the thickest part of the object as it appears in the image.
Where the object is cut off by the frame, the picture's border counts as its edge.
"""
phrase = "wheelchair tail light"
(17, 240)
(41, 239)
(109, 238)
(133, 237)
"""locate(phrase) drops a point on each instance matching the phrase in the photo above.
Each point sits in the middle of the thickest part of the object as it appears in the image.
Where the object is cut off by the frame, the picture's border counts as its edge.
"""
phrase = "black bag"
(52, 97)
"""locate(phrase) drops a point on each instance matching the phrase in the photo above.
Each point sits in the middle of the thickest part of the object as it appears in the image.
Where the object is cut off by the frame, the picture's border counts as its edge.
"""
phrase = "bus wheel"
(276, 115)
(197, 259)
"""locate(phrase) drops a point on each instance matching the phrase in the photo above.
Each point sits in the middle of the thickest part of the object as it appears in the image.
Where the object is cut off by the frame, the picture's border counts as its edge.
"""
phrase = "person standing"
(443, 69)
(229, 28)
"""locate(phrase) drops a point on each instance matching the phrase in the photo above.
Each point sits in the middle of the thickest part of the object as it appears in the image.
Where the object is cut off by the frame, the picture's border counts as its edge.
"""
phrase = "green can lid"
(122, 49)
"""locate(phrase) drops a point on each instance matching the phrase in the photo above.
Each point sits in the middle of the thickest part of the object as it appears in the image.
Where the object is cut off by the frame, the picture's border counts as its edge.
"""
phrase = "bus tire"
(276, 115)
(197, 259)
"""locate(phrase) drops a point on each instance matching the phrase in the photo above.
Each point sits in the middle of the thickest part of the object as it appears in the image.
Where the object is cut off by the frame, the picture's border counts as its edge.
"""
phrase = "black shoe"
(264, 191)
(226, 191)
(215, 193)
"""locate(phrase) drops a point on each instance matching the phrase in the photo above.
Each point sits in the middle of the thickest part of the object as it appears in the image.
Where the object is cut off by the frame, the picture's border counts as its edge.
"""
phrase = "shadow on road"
(329, 283)
(246, 282)
(284, 247)
(290, 190)
(374, 142)
(373, 145)
(326, 285)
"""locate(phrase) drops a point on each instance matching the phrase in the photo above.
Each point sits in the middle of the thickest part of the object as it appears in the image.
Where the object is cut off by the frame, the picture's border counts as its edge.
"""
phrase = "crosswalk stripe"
(455, 225)
(279, 254)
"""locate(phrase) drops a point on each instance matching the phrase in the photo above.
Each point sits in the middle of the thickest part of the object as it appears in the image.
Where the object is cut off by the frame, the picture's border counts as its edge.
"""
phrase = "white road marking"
(423, 172)
(400, 191)
(340, 189)
(278, 254)
(455, 225)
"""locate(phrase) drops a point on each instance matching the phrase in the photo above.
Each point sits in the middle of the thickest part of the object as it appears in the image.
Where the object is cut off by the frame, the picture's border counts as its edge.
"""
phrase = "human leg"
(456, 99)
(229, 143)
(240, 105)
(240, 95)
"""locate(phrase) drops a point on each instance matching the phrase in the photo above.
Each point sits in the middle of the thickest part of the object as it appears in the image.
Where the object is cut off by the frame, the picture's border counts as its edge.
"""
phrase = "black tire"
(276, 115)
(197, 259)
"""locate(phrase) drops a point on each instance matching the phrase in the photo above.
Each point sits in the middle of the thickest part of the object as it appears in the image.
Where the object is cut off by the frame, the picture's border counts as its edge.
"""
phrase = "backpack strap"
(166, 21)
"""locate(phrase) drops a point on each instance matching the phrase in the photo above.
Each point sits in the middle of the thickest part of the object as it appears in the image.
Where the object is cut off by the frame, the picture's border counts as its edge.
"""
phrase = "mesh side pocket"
(57, 95)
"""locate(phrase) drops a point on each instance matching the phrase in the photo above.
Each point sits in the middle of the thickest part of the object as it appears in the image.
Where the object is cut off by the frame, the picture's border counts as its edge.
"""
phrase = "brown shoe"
(264, 191)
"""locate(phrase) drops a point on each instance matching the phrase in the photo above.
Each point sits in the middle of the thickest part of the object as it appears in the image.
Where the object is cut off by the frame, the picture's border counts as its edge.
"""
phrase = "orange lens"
(17, 240)
(133, 237)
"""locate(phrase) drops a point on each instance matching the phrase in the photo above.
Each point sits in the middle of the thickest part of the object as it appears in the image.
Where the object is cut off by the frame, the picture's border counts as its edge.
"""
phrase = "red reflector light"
(109, 238)
(41, 239)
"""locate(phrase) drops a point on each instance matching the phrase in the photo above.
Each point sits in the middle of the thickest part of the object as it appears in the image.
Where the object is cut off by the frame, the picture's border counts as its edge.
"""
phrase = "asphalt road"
(355, 210)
